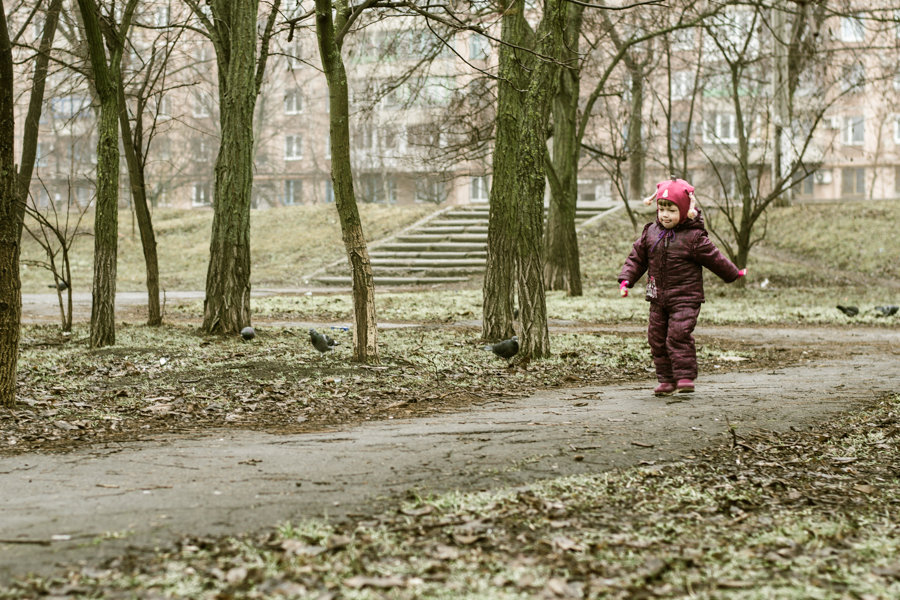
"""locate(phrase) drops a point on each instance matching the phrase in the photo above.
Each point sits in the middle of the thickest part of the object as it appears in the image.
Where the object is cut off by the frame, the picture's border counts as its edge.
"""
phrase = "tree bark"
(562, 268)
(329, 32)
(10, 228)
(131, 142)
(500, 269)
(636, 152)
(226, 309)
(106, 211)
(530, 182)
(35, 104)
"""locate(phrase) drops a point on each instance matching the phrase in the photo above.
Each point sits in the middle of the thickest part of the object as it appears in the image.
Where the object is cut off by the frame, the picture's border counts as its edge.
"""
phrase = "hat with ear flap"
(680, 193)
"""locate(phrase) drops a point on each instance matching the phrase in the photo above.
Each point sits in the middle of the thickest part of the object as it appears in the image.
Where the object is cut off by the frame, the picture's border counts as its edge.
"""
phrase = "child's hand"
(742, 272)
(623, 288)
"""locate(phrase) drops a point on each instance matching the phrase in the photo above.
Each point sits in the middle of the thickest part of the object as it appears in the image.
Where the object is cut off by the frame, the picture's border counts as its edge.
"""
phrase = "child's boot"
(685, 386)
(665, 388)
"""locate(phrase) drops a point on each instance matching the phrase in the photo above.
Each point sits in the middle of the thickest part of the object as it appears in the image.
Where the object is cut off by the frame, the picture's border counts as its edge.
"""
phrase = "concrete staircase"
(449, 246)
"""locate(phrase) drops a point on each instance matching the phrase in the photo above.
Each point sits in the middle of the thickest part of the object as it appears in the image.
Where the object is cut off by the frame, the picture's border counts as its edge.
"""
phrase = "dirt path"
(93, 502)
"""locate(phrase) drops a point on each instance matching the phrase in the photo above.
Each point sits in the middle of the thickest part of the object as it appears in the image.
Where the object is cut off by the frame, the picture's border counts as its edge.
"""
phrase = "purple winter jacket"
(674, 261)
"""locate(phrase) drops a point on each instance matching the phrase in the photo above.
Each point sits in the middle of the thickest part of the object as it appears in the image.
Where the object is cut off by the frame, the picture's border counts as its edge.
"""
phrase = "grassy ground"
(287, 244)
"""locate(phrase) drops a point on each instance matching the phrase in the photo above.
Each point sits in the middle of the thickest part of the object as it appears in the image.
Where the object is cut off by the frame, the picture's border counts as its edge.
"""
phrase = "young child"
(673, 251)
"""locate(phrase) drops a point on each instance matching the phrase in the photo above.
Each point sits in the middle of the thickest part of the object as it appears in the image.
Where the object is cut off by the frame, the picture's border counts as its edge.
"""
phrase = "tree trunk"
(35, 104)
(226, 309)
(636, 152)
(132, 146)
(530, 182)
(106, 211)
(10, 228)
(365, 341)
(500, 270)
(562, 269)
(106, 227)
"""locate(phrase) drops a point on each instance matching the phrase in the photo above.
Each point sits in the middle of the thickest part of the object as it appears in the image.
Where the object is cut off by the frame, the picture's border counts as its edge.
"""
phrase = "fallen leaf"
(360, 581)
(863, 488)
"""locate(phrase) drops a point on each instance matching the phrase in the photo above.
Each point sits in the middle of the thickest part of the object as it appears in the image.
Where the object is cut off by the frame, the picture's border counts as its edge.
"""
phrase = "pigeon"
(320, 342)
(248, 333)
(850, 311)
(61, 286)
(505, 349)
(887, 311)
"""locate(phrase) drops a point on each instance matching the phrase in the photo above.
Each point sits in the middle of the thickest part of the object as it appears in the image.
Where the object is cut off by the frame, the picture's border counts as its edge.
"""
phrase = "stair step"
(438, 237)
(482, 255)
(399, 281)
(466, 271)
(433, 247)
(421, 263)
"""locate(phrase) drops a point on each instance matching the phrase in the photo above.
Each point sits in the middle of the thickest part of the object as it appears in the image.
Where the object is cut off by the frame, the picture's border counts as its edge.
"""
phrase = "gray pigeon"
(505, 349)
(850, 311)
(887, 311)
(61, 286)
(248, 333)
(320, 342)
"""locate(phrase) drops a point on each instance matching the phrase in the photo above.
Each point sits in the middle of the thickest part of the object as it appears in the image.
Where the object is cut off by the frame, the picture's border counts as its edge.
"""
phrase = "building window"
(292, 191)
(201, 150)
(162, 16)
(68, 107)
(720, 128)
(43, 151)
(164, 107)
(852, 29)
(679, 135)
(479, 47)
(897, 129)
(480, 189)
(853, 182)
(854, 131)
(682, 39)
(378, 189)
(293, 103)
(293, 56)
(200, 105)
(329, 191)
(293, 147)
(803, 183)
(430, 189)
(201, 195)
(897, 180)
(682, 84)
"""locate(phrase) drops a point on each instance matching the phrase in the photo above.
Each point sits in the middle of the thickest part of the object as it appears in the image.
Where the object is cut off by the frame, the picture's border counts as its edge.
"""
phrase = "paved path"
(55, 507)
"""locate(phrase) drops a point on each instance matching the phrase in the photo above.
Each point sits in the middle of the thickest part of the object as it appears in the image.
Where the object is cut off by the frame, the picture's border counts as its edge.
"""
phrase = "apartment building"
(422, 104)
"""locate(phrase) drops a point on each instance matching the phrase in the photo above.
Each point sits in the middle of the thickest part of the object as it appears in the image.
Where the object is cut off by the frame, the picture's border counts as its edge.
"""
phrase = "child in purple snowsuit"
(673, 251)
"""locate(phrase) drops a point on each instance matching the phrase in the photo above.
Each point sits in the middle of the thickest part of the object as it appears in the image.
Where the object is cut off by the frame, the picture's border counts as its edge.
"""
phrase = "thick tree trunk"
(562, 268)
(10, 228)
(531, 182)
(106, 226)
(139, 198)
(226, 309)
(500, 271)
(365, 340)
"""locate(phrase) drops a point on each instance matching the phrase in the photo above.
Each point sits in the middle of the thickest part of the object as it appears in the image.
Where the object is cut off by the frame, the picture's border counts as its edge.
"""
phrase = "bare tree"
(231, 25)
(330, 32)
(10, 232)
(105, 76)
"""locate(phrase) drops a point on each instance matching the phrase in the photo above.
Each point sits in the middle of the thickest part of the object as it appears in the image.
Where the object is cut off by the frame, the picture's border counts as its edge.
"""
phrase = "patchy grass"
(287, 244)
(725, 305)
(805, 247)
(802, 514)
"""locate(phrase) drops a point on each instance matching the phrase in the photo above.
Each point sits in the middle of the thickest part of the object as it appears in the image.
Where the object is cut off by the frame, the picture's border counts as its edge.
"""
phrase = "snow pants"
(670, 334)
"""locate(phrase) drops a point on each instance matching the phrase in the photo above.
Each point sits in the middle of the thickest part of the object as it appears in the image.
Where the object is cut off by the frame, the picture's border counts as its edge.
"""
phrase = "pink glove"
(742, 272)
(623, 288)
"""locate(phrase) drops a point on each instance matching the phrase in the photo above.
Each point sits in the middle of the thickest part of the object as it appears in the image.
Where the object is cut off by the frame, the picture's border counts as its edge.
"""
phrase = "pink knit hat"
(680, 193)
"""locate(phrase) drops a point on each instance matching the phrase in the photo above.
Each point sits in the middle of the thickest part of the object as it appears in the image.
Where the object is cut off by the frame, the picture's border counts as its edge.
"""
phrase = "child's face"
(668, 213)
